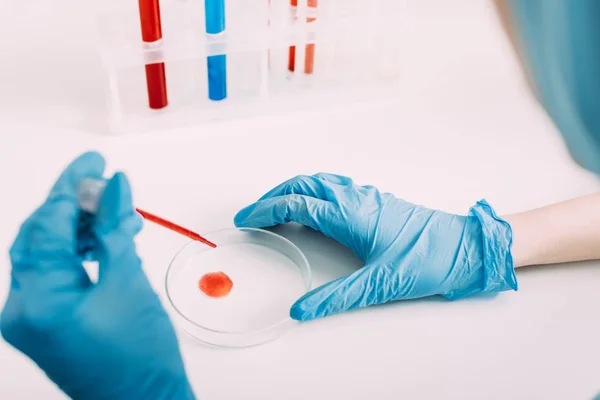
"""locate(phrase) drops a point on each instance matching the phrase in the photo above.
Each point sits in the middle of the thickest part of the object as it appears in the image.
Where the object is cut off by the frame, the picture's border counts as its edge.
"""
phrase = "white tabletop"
(465, 113)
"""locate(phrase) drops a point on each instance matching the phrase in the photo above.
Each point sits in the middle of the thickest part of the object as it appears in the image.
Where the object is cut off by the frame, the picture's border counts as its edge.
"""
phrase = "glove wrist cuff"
(498, 266)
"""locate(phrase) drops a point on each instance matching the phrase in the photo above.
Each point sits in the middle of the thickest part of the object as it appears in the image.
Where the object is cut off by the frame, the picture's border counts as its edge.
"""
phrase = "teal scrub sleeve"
(560, 42)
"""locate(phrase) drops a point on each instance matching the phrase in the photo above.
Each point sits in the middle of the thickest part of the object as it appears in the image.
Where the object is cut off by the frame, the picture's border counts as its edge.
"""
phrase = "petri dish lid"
(268, 272)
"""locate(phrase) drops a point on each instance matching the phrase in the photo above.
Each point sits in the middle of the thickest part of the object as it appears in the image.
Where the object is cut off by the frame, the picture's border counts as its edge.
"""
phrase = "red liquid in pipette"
(174, 227)
(215, 284)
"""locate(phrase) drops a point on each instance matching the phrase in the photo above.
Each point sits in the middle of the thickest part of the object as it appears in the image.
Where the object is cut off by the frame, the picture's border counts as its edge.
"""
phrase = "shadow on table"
(328, 259)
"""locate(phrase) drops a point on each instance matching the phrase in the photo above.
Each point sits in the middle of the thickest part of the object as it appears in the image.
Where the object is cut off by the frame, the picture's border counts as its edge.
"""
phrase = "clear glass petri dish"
(269, 273)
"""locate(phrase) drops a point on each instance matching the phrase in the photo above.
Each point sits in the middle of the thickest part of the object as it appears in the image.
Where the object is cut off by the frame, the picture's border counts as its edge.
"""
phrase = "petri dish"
(268, 274)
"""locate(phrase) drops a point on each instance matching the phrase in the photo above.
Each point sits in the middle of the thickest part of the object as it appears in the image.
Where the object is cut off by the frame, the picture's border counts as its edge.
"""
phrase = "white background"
(465, 113)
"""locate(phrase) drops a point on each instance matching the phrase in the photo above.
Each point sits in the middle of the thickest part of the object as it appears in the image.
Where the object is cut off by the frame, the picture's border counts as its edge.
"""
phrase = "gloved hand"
(409, 251)
(109, 340)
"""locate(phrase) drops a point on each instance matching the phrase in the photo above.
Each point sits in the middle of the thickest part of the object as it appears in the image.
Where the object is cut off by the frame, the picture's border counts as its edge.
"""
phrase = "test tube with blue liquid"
(214, 12)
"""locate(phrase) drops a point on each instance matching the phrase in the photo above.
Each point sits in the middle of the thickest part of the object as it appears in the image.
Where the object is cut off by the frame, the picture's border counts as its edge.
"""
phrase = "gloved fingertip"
(299, 313)
(134, 224)
(91, 157)
(310, 306)
(87, 165)
(90, 161)
(90, 164)
(241, 219)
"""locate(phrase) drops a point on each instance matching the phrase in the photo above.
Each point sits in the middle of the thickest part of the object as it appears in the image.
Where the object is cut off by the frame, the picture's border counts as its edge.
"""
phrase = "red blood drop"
(215, 284)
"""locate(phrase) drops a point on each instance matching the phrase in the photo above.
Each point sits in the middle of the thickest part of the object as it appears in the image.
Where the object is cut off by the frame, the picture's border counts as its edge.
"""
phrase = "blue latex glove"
(109, 340)
(409, 251)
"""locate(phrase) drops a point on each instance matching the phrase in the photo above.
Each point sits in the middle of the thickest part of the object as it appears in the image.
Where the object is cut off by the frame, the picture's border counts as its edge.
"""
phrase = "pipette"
(90, 191)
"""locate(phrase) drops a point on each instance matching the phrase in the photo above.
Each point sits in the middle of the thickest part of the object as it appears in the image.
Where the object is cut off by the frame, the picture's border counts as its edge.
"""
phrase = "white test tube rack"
(358, 54)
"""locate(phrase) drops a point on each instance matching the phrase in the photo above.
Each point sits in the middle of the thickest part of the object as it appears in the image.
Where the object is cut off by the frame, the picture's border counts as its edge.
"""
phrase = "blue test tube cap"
(214, 12)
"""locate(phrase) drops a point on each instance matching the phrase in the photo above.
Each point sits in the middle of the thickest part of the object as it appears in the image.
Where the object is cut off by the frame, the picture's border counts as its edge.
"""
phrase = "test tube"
(156, 80)
(214, 12)
(292, 49)
(309, 54)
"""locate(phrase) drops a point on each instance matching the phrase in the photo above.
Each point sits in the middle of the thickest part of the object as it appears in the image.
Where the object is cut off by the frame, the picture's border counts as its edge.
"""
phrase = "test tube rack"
(343, 50)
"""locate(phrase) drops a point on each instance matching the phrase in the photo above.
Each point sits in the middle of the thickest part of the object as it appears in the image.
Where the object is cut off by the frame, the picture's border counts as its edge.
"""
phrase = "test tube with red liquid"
(309, 56)
(156, 80)
(292, 50)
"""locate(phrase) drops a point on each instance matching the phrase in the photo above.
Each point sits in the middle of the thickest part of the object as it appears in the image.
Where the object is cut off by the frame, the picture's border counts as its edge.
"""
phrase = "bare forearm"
(563, 232)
